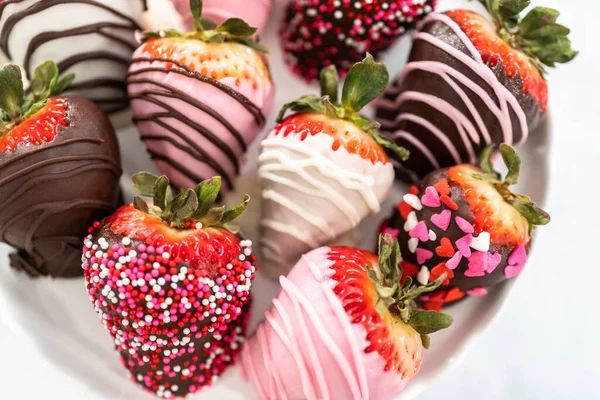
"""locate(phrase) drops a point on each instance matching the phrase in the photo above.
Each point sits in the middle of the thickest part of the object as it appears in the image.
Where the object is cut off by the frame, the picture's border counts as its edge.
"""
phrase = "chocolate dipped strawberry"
(317, 34)
(344, 326)
(470, 82)
(323, 169)
(170, 280)
(464, 222)
(200, 98)
(59, 171)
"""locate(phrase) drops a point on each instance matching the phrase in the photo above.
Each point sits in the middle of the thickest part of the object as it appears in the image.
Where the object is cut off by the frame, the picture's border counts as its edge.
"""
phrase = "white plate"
(55, 316)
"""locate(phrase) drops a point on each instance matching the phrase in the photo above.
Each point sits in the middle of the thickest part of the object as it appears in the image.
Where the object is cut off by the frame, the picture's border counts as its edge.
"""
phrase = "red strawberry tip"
(398, 298)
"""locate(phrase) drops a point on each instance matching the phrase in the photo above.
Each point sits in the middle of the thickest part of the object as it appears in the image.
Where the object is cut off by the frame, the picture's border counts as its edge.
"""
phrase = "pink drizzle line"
(445, 71)
(354, 373)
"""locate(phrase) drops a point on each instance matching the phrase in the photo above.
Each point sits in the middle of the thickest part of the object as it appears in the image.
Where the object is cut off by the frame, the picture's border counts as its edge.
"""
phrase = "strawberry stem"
(400, 299)
(189, 205)
(536, 34)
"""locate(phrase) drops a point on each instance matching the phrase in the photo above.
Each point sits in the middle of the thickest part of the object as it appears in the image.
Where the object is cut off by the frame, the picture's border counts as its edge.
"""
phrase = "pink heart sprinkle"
(391, 231)
(471, 273)
(452, 263)
(420, 231)
(431, 198)
(442, 220)
(482, 261)
(477, 292)
(518, 256)
(423, 255)
(464, 225)
(463, 244)
(511, 271)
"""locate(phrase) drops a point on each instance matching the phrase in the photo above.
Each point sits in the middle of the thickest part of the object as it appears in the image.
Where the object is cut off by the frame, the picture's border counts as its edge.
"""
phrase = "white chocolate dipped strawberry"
(343, 327)
(323, 169)
(200, 98)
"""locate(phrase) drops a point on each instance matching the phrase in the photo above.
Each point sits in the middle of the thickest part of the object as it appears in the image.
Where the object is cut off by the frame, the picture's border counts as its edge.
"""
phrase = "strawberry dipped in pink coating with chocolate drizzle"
(343, 327)
(200, 98)
(170, 281)
(464, 222)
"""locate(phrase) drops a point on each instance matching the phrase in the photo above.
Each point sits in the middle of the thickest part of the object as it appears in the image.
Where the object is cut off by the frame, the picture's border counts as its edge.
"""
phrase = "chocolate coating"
(51, 193)
(460, 280)
(424, 82)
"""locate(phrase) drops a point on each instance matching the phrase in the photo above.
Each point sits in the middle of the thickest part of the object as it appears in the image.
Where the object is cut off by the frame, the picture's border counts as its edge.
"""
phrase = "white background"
(546, 344)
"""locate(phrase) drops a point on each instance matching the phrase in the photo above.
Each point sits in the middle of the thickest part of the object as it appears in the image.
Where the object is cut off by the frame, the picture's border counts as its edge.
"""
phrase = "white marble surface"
(545, 344)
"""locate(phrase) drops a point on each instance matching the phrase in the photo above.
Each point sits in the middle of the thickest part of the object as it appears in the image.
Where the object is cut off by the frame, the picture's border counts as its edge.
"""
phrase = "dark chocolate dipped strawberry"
(470, 82)
(464, 221)
(200, 98)
(317, 34)
(59, 171)
(170, 280)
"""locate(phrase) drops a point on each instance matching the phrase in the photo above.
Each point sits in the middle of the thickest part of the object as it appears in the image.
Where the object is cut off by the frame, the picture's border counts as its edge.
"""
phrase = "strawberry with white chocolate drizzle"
(323, 169)
(344, 326)
(200, 98)
(465, 222)
(170, 281)
(470, 82)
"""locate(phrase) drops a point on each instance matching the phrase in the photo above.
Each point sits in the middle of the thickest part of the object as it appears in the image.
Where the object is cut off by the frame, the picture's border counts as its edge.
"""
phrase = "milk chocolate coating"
(50, 194)
(432, 84)
(453, 232)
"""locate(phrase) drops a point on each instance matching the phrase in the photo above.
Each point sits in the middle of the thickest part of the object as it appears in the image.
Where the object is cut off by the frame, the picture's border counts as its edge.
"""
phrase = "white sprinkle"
(412, 244)
(165, 255)
(481, 242)
(423, 275)
(338, 14)
(411, 221)
(432, 235)
(126, 241)
(413, 201)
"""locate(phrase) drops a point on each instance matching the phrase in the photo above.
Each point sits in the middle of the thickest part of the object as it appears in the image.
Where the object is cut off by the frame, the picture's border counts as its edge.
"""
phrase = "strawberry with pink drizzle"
(200, 98)
(170, 281)
(470, 83)
(464, 222)
(343, 327)
(255, 12)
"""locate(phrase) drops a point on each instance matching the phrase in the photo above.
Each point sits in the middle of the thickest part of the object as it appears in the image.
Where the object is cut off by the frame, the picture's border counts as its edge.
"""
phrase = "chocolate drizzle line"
(116, 102)
(164, 90)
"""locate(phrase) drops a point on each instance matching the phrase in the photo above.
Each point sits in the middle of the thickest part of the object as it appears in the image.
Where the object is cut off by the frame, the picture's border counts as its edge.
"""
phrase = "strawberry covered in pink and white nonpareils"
(464, 222)
(344, 327)
(323, 169)
(319, 33)
(200, 98)
(171, 283)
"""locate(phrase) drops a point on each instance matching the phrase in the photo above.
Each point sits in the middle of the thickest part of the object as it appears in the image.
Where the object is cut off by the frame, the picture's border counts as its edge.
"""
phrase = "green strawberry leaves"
(365, 81)
(15, 106)
(189, 205)
(400, 299)
(534, 215)
(231, 30)
(536, 34)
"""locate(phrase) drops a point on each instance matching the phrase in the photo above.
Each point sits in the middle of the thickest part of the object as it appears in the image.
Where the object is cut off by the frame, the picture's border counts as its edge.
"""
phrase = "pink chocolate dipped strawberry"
(323, 169)
(255, 12)
(317, 34)
(470, 83)
(200, 98)
(344, 326)
(170, 281)
(465, 222)
(59, 171)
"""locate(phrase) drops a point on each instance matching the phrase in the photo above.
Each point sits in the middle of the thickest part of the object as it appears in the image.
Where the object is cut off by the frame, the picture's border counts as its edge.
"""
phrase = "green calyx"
(399, 299)
(189, 206)
(232, 30)
(536, 34)
(15, 105)
(533, 214)
(365, 81)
